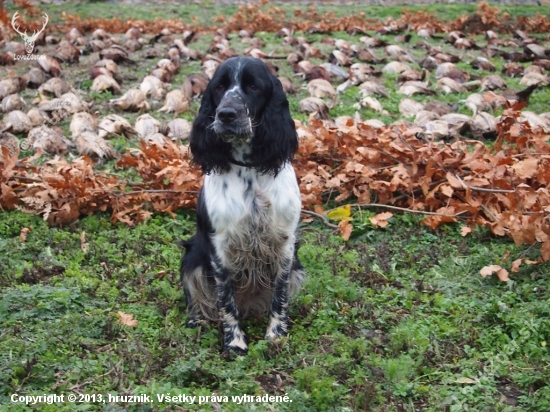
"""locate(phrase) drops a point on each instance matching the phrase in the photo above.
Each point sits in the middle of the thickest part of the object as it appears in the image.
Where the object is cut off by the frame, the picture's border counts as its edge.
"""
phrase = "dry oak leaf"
(446, 215)
(446, 190)
(501, 272)
(8, 197)
(23, 234)
(127, 319)
(465, 230)
(545, 251)
(345, 229)
(381, 219)
(527, 168)
(454, 181)
(516, 264)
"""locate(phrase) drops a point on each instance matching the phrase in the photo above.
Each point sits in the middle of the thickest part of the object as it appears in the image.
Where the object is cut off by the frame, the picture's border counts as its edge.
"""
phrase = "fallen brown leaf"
(127, 319)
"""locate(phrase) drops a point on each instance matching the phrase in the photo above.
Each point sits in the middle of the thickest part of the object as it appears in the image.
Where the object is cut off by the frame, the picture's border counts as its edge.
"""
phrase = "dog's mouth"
(240, 131)
(232, 121)
(232, 124)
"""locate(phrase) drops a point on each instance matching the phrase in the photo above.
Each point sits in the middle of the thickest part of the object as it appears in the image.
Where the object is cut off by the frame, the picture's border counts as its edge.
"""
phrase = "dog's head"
(240, 91)
(244, 104)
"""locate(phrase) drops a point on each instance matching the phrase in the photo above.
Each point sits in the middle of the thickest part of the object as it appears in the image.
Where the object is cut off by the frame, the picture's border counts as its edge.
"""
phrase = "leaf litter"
(502, 187)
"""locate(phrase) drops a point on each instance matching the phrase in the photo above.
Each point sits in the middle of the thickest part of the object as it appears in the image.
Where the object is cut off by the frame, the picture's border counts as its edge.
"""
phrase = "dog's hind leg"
(198, 284)
(194, 315)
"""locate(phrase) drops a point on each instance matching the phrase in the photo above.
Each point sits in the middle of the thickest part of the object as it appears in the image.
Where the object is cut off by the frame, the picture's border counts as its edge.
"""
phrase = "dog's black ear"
(275, 140)
(209, 151)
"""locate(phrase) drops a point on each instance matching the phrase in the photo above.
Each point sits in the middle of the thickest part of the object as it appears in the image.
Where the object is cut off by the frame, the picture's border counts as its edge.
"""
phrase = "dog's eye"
(252, 87)
(220, 88)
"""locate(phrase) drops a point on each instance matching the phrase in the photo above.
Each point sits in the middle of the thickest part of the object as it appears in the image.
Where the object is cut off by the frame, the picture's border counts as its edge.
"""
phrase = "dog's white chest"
(254, 217)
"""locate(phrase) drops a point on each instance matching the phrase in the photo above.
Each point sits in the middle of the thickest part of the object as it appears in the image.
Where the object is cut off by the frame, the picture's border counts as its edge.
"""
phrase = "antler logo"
(29, 40)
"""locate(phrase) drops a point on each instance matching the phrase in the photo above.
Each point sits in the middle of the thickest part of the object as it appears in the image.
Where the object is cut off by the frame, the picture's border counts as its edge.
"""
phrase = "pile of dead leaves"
(273, 18)
(61, 191)
(252, 17)
(503, 187)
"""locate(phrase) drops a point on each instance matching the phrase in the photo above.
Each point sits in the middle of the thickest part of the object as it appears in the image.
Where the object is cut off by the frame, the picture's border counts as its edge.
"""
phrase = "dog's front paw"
(236, 346)
(234, 341)
(229, 352)
(277, 328)
(275, 334)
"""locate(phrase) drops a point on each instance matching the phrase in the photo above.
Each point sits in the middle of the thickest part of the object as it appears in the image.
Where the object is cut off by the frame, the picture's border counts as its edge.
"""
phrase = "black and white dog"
(242, 261)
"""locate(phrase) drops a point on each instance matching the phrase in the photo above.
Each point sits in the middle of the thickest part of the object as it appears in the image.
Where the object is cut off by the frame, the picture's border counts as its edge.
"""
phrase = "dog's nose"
(227, 114)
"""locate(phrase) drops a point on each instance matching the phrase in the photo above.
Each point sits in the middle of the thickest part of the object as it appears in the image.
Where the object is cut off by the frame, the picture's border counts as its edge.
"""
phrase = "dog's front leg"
(278, 312)
(233, 335)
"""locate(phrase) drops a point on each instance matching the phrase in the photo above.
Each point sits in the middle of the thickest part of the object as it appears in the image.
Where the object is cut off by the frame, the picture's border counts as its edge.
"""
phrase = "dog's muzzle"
(232, 120)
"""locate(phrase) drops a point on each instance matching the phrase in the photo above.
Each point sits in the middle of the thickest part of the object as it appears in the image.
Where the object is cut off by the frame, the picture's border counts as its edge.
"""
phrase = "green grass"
(390, 321)
(205, 12)
(106, 10)
(396, 319)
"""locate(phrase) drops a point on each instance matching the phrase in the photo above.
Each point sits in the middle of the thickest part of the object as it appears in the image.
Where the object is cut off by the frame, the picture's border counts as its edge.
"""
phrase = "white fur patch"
(235, 330)
(275, 323)
(255, 218)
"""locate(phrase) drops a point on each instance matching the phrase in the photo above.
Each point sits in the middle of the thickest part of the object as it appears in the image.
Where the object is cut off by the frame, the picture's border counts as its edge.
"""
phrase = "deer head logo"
(29, 40)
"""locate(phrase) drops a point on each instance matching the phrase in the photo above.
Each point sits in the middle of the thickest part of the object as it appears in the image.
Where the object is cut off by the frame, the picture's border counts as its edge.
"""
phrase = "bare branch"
(402, 209)
(324, 219)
